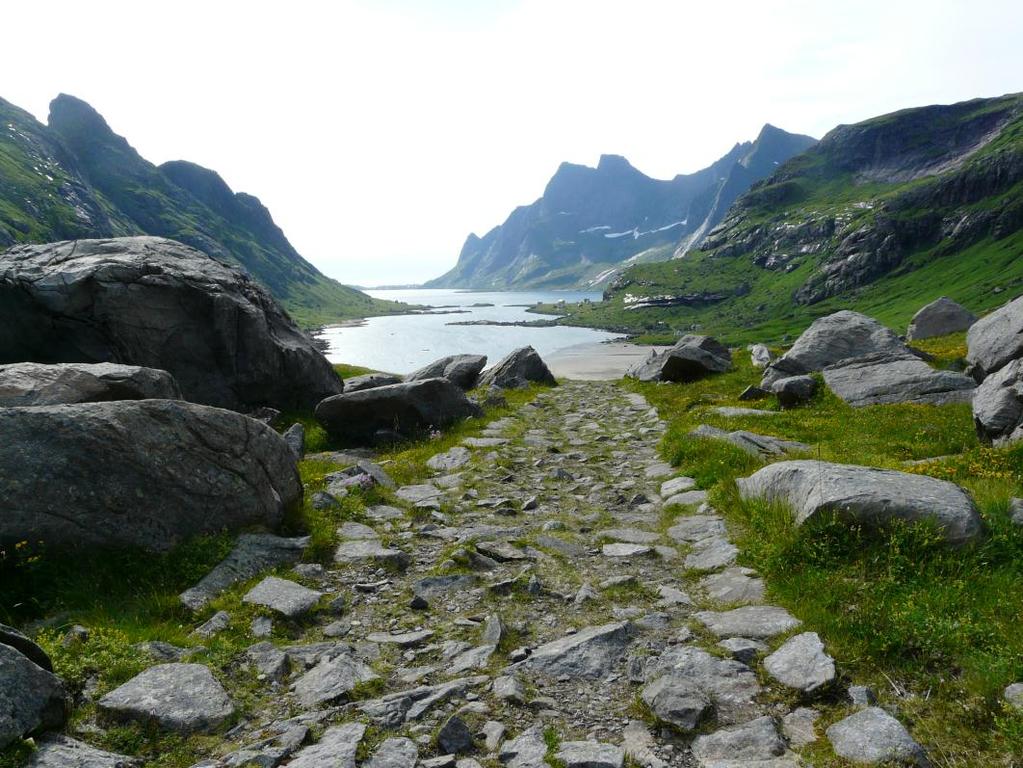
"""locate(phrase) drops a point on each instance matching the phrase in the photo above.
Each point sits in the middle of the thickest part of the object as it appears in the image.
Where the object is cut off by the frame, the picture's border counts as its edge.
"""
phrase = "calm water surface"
(403, 343)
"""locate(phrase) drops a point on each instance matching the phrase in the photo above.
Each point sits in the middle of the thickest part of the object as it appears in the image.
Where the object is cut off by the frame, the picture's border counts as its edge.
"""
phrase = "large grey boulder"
(59, 751)
(874, 737)
(691, 358)
(869, 496)
(996, 339)
(23, 384)
(517, 370)
(31, 698)
(462, 370)
(939, 318)
(998, 405)
(410, 409)
(844, 335)
(146, 473)
(880, 380)
(156, 303)
(184, 698)
(589, 653)
(370, 381)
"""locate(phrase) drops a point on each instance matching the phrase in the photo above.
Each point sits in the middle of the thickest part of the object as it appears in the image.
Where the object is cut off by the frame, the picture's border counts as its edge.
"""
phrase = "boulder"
(677, 700)
(760, 356)
(873, 736)
(294, 436)
(154, 302)
(411, 409)
(996, 339)
(144, 473)
(25, 646)
(880, 380)
(794, 390)
(461, 370)
(31, 698)
(998, 405)
(844, 335)
(756, 743)
(517, 370)
(730, 685)
(185, 698)
(869, 496)
(939, 318)
(370, 381)
(692, 358)
(24, 384)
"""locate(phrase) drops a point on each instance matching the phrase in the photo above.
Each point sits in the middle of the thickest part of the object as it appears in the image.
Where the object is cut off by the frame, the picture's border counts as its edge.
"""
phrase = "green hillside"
(76, 178)
(883, 216)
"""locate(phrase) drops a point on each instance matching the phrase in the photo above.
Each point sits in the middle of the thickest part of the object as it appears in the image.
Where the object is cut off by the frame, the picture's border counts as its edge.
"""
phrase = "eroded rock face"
(31, 699)
(998, 405)
(24, 384)
(145, 473)
(410, 409)
(153, 302)
(873, 497)
(939, 318)
(996, 339)
(844, 335)
(461, 370)
(692, 358)
(517, 370)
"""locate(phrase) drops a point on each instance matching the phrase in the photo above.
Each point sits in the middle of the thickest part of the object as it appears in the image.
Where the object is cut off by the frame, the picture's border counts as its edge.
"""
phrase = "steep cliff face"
(884, 215)
(76, 178)
(592, 221)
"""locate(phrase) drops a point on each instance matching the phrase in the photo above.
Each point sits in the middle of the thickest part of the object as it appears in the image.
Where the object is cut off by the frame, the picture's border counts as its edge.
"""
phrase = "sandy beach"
(598, 361)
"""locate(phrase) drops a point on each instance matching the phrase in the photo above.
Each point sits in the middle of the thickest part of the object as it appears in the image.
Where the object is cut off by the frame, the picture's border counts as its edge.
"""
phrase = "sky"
(380, 133)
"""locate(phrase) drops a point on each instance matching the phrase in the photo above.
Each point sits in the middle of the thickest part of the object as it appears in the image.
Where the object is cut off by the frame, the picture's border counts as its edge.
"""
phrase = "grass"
(934, 630)
(125, 597)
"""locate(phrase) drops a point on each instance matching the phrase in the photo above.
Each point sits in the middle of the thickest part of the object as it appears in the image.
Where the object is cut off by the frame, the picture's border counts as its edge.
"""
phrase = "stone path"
(539, 584)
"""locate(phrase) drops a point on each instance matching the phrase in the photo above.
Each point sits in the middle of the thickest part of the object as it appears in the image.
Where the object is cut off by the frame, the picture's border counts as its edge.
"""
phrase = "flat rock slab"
(358, 551)
(394, 709)
(394, 753)
(872, 497)
(710, 554)
(761, 446)
(628, 535)
(282, 596)
(26, 384)
(589, 653)
(756, 621)
(527, 750)
(502, 551)
(733, 585)
(625, 550)
(801, 663)
(384, 512)
(756, 743)
(732, 412)
(336, 748)
(402, 639)
(356, 531)
(694, 528)
(590, 754)
(331, 679)
(484, 442)
(31, 698)
(658, 470)
(686, 499)
(253, 553)
(676, 485)
(185, 698)
(417, 494)
(449, 460)
(874, 381)
(436, 586)
(873, 736)
(59, 751)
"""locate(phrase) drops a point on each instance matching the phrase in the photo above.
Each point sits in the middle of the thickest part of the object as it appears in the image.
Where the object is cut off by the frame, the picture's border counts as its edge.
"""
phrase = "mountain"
(882, 216)
(75, 178)
(591, 221)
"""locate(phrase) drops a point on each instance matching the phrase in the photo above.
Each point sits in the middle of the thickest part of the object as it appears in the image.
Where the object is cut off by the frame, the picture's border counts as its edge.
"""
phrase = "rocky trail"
(554, 595)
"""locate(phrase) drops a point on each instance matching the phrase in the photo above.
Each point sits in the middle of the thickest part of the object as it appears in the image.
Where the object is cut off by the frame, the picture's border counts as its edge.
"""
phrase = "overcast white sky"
(381, 133)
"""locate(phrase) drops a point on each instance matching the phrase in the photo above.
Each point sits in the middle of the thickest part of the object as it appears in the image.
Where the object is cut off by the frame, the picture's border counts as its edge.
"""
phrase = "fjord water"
(403, 343)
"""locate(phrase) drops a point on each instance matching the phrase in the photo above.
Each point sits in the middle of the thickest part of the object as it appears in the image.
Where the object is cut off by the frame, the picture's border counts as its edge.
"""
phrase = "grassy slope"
(126, 597)
(934, 631)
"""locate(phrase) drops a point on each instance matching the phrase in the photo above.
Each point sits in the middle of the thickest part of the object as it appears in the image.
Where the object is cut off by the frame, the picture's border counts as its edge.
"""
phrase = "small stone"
(508, 688)
(873, 736)
(262, 626)
(336, 748)
(394, 753)
(749, 743)
(625, 550)
(402, 639)
(801, 663)
(743, 648)
(798, 726)
(493, 733)
(676, 485)
(269, 660)
(862, 696)
(677, 701)
(454, 737)
(1014, 696)
(287, 598)
(218, 622)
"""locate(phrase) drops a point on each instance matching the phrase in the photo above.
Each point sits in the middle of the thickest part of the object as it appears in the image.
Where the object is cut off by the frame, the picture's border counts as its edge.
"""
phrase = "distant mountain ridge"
(75, 178)
(590, 222)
